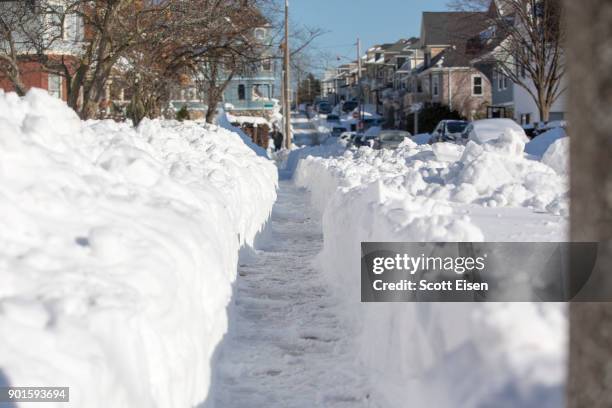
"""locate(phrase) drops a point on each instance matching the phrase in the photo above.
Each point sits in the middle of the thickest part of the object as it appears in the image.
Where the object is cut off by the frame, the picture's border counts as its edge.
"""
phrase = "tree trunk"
(589, 42)
(211, 110)
(14, 75)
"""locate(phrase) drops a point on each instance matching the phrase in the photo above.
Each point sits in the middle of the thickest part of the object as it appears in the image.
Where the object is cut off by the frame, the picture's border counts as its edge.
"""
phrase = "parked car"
(543, 127)
(349, 106)
(487, 130)
(530, 130)
(346, 136)
(338, 130)
(324, 108)
(390, 139)
(448, 131)
(354, 139)
(365, 140)
(333, 118)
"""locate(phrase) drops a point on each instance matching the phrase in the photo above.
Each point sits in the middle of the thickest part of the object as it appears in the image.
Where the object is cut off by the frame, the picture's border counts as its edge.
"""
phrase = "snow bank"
(433, 354)
(118, 248)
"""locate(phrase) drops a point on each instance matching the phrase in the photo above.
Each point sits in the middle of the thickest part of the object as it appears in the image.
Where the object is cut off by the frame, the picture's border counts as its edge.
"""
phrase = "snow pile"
(288, 160)
(557, 156)
(433, 354)
(493, 174)
(118, 248)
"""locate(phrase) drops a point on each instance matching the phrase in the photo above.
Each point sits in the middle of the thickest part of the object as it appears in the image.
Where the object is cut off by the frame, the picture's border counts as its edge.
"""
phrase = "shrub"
(182, 114)
(429, 117)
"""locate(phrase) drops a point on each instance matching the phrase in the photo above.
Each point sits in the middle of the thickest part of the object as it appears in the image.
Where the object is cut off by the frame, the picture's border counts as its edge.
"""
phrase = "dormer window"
(260, 34)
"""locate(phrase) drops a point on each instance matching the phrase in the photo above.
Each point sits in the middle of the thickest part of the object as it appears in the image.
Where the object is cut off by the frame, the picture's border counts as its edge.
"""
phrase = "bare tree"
(526, 39)
(28, 31)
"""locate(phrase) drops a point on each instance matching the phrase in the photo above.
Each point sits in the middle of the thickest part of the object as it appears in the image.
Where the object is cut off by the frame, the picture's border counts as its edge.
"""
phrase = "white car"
(488, 130)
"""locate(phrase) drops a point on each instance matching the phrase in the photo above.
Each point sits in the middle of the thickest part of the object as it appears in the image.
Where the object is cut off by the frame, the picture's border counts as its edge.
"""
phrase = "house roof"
(450, 27)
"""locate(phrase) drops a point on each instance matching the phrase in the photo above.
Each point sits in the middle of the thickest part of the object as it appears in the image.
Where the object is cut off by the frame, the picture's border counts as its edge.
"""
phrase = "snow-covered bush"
(118, 248)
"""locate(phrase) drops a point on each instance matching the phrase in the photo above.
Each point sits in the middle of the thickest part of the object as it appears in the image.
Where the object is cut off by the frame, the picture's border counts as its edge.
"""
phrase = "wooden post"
(589, 34)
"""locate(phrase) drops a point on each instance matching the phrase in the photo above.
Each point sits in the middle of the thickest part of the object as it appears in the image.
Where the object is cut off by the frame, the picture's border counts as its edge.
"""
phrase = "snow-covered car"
(390, 139)
(543, 127)
(487, 130)
(448, 131)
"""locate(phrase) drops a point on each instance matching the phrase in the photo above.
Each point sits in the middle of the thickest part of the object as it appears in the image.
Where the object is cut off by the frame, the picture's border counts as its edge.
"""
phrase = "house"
(50, 35)
(254, 89)
(509, 99)
(405, 56)
(446, 75)
(250, 92)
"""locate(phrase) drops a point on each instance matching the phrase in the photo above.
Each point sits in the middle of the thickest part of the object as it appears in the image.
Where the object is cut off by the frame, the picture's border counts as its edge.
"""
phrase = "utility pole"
(286, 88)
(297, 89)
(359, 81)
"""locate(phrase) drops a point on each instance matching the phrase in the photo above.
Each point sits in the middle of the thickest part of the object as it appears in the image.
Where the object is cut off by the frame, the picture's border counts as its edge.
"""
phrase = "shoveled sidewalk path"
(287, 346)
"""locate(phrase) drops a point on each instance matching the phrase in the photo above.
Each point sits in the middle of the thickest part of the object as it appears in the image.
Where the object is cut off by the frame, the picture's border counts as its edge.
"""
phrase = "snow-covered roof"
(249, 120)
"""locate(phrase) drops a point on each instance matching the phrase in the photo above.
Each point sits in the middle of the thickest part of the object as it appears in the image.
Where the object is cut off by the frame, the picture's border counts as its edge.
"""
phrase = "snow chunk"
(500, 131)
(557, 156)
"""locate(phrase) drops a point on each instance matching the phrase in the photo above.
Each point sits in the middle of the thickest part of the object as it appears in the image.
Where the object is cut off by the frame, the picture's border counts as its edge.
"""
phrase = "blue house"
(256, 90)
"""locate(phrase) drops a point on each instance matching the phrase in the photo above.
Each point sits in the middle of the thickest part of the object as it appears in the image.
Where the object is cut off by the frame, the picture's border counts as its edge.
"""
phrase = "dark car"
(390, 139)
(448, 131)
(324, 108)
(337, 131)
(349, 106)
(364, 140)
(333, 118)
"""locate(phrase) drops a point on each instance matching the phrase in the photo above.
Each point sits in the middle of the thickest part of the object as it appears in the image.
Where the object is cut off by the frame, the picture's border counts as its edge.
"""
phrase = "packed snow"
(446, 355)
(118, 250)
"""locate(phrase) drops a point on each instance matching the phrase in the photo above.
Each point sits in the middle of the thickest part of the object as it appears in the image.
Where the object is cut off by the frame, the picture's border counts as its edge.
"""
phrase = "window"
(260, 34)
(525, 118)
(419, 86)
(400, 62)
(266, 65)
(241, 92)
(435, 85)
(477, 88)
(73, 27)
(55, 20)
(502, 81)
(55, 85)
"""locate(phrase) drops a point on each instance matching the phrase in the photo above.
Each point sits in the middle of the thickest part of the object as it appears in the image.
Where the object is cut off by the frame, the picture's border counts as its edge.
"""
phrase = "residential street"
(286, 345)
(304, 132)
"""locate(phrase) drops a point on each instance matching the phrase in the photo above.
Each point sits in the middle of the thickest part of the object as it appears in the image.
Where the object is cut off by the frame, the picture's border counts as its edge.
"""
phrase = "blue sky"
(373, 21)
